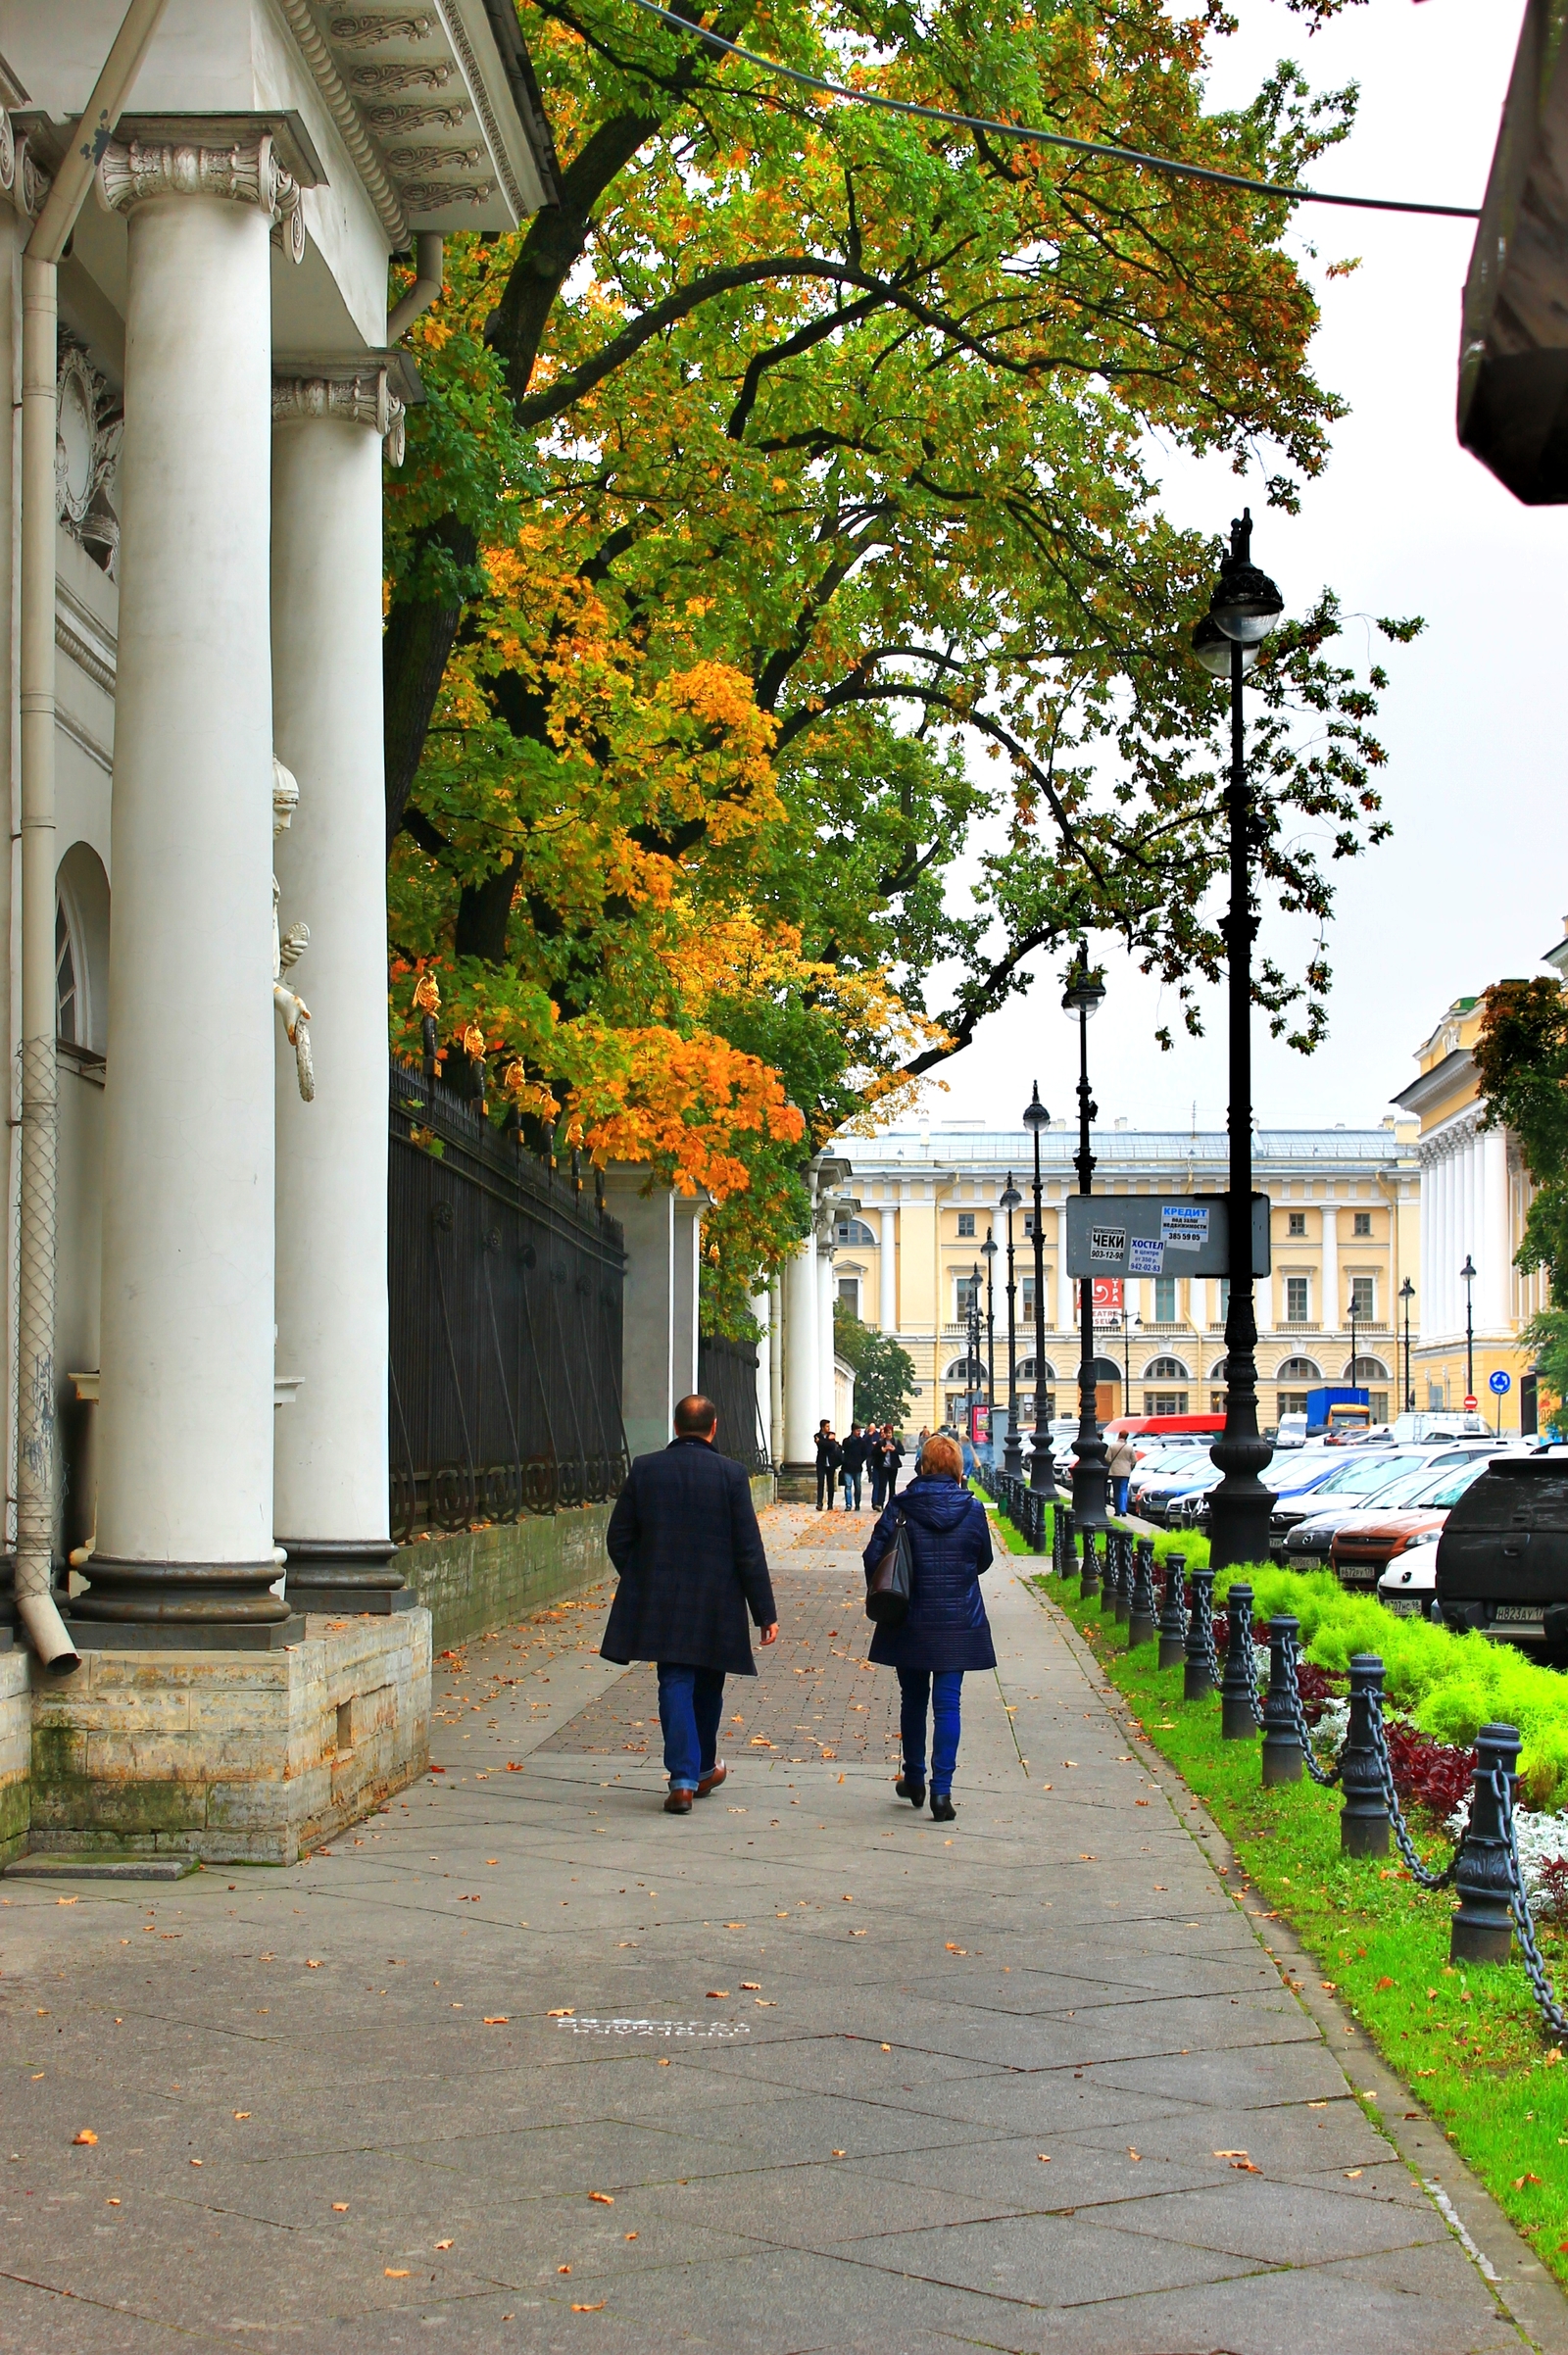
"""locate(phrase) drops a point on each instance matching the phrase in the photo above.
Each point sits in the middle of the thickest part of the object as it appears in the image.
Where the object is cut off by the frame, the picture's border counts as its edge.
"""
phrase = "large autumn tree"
(801, 452)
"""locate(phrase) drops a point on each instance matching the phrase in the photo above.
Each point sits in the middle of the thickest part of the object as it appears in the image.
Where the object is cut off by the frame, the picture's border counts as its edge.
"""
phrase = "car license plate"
(1309, 1560)
(1404, 1606)
(1358, 1574)
(1519, 1614)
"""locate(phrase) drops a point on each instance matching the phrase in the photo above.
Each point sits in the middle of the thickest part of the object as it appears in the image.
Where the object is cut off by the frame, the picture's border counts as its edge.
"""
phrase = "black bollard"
(1124, 1577)
(1172, 1614)
(1364, 1820)
(1140, 1601)
(1237, 1723)
(1089, 1585)
(1110, 1585)
(1069, 1540)
(1197, 1681)
(1282, 1744)
(1483, 1923)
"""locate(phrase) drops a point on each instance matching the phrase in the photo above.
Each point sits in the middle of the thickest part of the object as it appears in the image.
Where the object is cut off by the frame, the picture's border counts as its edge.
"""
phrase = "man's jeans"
(852, 1491)
(940, 1689)
(690, 1703)
(879, 1489)
(1122, 1486)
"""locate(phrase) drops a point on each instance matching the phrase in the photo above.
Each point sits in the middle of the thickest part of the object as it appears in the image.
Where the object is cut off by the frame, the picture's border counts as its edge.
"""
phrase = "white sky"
(1473, 884)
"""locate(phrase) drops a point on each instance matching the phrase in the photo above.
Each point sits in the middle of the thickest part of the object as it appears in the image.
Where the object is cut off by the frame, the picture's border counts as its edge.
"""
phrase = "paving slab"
(806, 2047)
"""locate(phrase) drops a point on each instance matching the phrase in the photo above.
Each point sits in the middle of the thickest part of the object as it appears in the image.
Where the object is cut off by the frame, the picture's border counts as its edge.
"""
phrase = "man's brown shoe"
(679, 1802)
(712, 1779)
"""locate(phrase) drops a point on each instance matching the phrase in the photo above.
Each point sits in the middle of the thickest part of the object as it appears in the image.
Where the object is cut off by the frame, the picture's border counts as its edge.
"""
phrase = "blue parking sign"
(1499, 1383)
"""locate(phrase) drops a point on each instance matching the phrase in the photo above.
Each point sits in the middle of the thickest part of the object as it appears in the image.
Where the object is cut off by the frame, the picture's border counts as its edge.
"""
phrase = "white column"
(776, 1372)
(1494, 1256)
(185, 1488)
(331, 1481)
(648, 1390)
(1331, 1312)
(685, 1339)
(824, 1335)
(888, 1275)
(800, 1368)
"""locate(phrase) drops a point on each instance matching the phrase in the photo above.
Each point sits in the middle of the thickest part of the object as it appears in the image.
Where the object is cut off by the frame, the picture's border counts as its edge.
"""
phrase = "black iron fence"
(726, 1373)
(506, 1280)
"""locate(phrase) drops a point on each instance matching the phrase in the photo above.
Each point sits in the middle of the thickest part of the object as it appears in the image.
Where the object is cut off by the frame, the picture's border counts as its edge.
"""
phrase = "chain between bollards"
(1201, 1675)
(1172, 1610)
(1240, 1713)
(1141, 1601)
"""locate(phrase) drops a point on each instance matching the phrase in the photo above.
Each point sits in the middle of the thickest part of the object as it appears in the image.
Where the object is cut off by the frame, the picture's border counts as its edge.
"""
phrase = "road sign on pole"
(1499, 1383)
(1121, 1235)
(1471, 1402)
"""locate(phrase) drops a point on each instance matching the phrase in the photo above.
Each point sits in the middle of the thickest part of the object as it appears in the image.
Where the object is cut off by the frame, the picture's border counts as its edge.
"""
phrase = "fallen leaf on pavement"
(1351, 2173)
(1230, 2154)
(631, 2237)
(718, 1994)
(242, 2113)
(599, 2309)
(86, 2136)
(340, 2207)
(443, 2244)
(562, 2269)
(395, 2273)
(567, 2014)
(751, 1986)
(1044, 2156)
(495, 2020)
(605, 2199)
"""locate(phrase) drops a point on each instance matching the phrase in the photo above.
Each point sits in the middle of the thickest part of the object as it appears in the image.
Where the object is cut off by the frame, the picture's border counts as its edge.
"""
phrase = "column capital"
(236, 161)
(352, 391)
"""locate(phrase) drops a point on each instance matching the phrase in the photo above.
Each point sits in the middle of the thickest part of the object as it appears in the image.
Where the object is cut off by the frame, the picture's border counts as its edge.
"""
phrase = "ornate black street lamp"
(1407, 1296)
(1127, 1324)
(1244, 607)
(1041, 1468)
(988, 1253)
(971, 1344)
(1081, 1001)
(1351, 1318)
(1013, 1460)
(1467, 1276)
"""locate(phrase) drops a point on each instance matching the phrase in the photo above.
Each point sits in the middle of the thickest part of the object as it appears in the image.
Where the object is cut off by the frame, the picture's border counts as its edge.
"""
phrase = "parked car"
(1502, 1558)
(1310, 1546)
(1437, 1423)
(1159, 1495)
(1408, 1587)
(1288, 1474)
(1411, 1514)
(1291, 1432)
(1355, 1474)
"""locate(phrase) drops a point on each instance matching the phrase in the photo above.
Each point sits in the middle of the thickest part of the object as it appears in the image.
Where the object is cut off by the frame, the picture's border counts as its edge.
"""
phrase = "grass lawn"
(1002, 1534)
(1468, 2042)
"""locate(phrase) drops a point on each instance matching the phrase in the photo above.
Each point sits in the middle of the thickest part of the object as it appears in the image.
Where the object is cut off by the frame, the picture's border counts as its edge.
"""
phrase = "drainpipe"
(427, 266)
(36, 1288)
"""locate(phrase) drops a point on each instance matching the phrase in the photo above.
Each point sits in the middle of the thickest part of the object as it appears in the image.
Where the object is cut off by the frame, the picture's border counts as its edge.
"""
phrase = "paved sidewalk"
(842, 2078)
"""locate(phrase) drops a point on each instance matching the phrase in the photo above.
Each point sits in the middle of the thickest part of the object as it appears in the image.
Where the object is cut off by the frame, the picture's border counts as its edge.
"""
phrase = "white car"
(1408, 1586)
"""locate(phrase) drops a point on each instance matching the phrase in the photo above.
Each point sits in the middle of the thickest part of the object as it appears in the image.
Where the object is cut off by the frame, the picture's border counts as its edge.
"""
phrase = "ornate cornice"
(346, 114)
(458, 36)
(359, 397)
(248, 173)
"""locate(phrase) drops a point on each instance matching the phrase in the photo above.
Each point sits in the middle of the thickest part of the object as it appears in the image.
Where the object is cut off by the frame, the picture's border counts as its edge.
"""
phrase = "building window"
(966, 1224)
(1434, 1395)
(1296, 1223)
(1363, 1222)
(1166, 1309)
(1027, 1292)
(1224, 1298)
(1293, 1402)
(855, 1230)
(966, 1296)
(1300, 1369)
(1164, 1369)
(1029, 1223)
(1378, 1399)
(65, 998)
(1165, 1401)
(1296, 1299)
(850, 1293)
(1216, 1402)
(1364, 1298)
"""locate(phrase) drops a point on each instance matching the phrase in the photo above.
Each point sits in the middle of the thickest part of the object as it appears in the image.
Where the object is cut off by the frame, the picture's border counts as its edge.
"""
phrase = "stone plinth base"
(230, 1757)
(797, 1484)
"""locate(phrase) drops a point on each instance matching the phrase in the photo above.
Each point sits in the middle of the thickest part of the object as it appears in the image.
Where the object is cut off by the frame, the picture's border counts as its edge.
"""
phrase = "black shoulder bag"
(889, 1581)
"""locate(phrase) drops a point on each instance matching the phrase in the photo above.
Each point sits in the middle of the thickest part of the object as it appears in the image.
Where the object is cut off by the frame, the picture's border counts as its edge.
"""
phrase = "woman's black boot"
(942, 1810)
(914, 1792)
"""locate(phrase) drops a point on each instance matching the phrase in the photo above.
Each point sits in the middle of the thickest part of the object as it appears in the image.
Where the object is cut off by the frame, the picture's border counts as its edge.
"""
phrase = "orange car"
(1361, 1549)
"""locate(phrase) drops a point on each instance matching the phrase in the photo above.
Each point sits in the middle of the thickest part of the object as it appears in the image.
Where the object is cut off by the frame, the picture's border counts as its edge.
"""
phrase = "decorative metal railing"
(506, 1280)
(726, 1373)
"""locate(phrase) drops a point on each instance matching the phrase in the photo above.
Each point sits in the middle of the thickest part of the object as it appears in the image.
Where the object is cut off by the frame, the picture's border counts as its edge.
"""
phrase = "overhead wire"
(1031, 134)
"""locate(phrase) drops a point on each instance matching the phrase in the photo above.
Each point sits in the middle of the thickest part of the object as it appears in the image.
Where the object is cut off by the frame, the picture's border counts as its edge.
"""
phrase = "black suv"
(1502, 1558)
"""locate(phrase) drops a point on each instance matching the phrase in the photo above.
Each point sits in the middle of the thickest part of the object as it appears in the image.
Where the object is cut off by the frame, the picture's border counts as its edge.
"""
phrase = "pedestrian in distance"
(892, 1457)
(829, 1456)
(1119, 1465)
(945, 1632)
(876, 1464)
(856, 1448)
(684, 1538)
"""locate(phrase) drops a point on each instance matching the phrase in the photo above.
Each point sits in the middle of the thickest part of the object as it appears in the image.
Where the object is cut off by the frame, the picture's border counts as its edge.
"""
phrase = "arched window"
(81, 950)
(965, 1369)
(1165, 1369)
(1027, 1370)
(1366, 1369)
(855, 1230)
(1298, 1369)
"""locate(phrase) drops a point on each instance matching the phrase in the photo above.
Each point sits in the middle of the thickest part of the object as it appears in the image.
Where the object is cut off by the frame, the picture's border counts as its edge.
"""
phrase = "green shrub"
(1449, 1684)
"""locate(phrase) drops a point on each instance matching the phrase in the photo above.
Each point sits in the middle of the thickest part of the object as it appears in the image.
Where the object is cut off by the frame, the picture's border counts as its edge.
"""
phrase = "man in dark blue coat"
(684, 1538)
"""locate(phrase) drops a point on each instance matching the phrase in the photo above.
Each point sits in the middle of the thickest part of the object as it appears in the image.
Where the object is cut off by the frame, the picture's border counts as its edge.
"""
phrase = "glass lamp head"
(1084, 992)
(1214, 650)
(1246, 605)
(1012, 1199)
(1035, 1116)
(988, 1249)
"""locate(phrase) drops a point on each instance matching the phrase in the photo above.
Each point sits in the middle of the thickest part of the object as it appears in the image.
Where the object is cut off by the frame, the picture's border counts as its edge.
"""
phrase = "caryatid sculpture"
(289, 947)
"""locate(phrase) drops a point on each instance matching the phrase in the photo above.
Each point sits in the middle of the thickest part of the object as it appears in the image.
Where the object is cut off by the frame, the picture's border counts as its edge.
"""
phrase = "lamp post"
(1350, 1320)
(1013, 1460)
(1081, 1001)
(1042, 1469)
(988, 1253)
(1467, 1276)
(1127, 1324)
(971, 1345)
(1407, 1296)
(1244, 607)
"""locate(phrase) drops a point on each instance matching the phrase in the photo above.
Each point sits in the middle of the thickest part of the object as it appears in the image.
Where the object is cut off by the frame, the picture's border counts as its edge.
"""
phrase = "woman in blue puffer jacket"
(945, 1630)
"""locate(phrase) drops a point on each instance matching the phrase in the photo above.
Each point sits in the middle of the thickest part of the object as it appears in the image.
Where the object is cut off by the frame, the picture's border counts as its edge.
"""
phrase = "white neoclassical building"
(198, 207)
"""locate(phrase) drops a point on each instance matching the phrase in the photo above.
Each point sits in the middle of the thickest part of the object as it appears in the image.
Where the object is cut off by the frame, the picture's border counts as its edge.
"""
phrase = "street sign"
(1499, 1383)
(1119, 1235)
(1108, 1303)
(1471, 1404)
